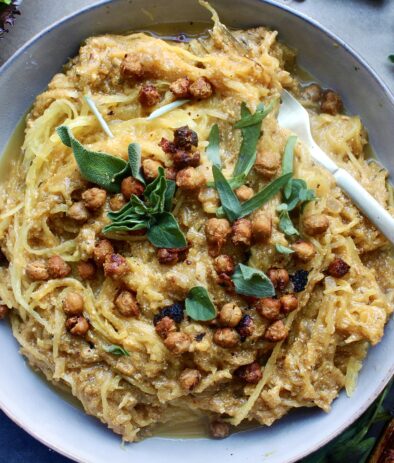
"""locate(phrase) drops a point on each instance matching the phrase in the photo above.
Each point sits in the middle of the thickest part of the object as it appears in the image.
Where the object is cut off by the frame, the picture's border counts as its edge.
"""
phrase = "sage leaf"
(169, 195)
(165, 232)
(198, 305)
(128, 225)
(257, 117)
(230, 203)
(252, 282)
(116, 350)
(283, 249)
(286, 225)
(264, 195)
(288, 155)
(134, 152)
(95, 166)
(213, 148)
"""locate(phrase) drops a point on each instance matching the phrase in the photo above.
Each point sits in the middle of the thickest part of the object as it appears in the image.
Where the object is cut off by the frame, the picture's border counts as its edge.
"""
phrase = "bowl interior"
(33, 403)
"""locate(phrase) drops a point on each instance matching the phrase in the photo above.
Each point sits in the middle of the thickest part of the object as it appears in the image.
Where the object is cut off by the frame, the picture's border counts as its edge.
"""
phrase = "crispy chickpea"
(230, 315)
(37, 270)
(149, 95)
(219, 429)
(276, 332)
(331, 103)
(316, 224)
(73, 303)
(131, 67)
(249, 373)
(171, 256)
(261, 227)
(189, 379)
(312, 92)
(115, 266)
(117, 202)
(279, 277)
(4, 311)
(201, 88)
(267, 163)
(150, 168)
(94, 198)
(102, 249)
(241, 232)
(225, 282)
(303, 250)
(190, 179)
(77, 325)
(185, 138)
(78, 212)
(170, 173)
(183, 159)
(131, 186)
(57, 267)
(226, 337)
(245, 327)
(165, 326)
(244, 193)
(288, 302)
(127, 305)
(180, 87)
(177, 343)
(224, 264)
(167, 146)
(338, 268)
(86, 270)
(217, 232)
(268, 308)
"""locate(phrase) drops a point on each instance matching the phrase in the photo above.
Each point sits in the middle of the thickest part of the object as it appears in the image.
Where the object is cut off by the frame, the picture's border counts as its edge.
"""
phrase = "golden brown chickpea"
(244, 193)
(261, 227)
(77, 325)
(94, 198)
(201, 88)
(241, 232)
(276, 332)
(127, 305)
(78, 212)
(224, 264)
(117, 202)
(150, 168)
(131, 67)
(249, 373)
(338, 268)
(190, 179)
(312, 92)
(177, 343)
(331, 103)
(267, 163)
(217, 232)
(219, 429)
(4, 311)
(149, 95)
(115, 266)
(303, 250)
(268, 308)
(245, 327)
(57, 267)
(289, 302)
(131, 186)
(180, 87)
(165, 326)
(279, 277)
(189, 379)
(102, 250)
(87, 270)
(226, 337)
(230, 315)
(316, 224)
(73, 304)
(37, 270)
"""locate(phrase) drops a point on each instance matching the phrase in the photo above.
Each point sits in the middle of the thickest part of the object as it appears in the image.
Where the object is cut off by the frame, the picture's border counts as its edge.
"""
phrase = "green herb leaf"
(286, 225)
(297, 193)
(230, 203)
(7, 2)
(198, 305)
(288, 155)
(257, 117)
(283, 249)
(96, 167)
(169, 195)
(252, 282)
(116, 350)
(213, 148)
(134, 152)
(391, 58)
(264, 195)
(165, 232)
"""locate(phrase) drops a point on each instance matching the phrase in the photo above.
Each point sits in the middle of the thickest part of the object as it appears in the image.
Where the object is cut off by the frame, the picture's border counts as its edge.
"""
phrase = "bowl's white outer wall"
(35, 406)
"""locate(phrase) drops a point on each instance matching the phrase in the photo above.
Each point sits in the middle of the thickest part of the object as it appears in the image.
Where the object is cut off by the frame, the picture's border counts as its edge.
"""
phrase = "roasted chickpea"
(102, 250)
(4, 311)
(86, 270)
(180, 87)
(289, 302)
(183, 159)
(226, 337)
(217, 232)
(219, 429)
(177, 343)
(77, 325)
(268, 308)
(171, 256)
(78, 212)
(249, 373)
(261, 227)
(149, 95)
(37, 270)
(116, 266)
(127, 305)
(241, 232)
(185, 138)
(73, 304)
(244, 193)
(165, 326)
(225, 282)
(224, 264)
(276, 332)
(57, 267)
(94, 198)
(303, 250)
(331, 103)
(131, 67)
(230, 315)
(190, 179)
(267, 163)
(316, 224)
(131, 186)
(279, 277)
(338, 268)
(150, 168)
(312, 92)
(117, 202)
(201, 88)
(189, 379)
(170, 173)
(245, 327)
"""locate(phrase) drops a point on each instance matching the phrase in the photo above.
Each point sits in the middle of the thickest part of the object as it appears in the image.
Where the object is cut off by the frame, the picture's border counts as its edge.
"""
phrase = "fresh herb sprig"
(198, 305)
(250, 281)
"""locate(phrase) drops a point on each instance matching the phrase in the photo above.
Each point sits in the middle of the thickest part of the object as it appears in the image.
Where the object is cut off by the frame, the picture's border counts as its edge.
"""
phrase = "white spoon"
(293, 116)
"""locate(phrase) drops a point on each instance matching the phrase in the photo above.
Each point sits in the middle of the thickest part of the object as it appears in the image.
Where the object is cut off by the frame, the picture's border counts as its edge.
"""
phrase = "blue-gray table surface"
(366, 25)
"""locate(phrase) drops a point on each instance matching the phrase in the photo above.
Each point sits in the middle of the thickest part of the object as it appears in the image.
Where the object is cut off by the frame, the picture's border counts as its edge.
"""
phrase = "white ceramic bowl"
(36, 406)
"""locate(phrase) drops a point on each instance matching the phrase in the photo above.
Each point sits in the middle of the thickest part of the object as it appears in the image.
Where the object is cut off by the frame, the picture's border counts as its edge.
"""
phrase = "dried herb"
(198, 305)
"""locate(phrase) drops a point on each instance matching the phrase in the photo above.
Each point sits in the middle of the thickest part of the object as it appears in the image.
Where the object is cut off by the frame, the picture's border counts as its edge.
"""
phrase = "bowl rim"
(340, 42)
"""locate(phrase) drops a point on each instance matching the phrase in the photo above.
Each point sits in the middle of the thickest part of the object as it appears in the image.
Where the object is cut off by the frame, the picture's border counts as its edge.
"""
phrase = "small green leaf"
(213, 148)
(96, 167)
(230, 203)
(286, 225)
(169, 195)
(283, 249)
(264, 195)
(288, 156)
(391, 58)
(198, 305)
(134, 152)
(252, 282)
(165, 232)
(116, 350)
(257, 117)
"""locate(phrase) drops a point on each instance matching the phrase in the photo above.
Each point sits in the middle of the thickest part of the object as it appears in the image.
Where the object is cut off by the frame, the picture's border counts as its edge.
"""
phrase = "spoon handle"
(375, 212)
